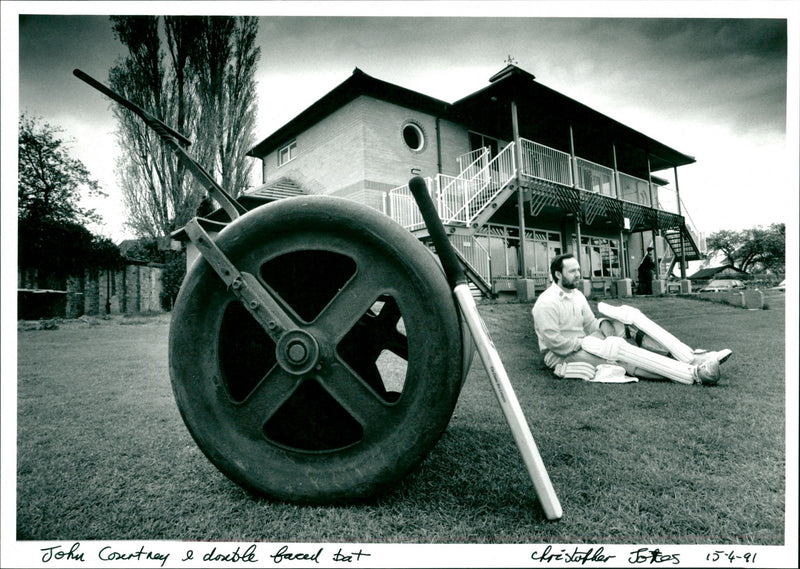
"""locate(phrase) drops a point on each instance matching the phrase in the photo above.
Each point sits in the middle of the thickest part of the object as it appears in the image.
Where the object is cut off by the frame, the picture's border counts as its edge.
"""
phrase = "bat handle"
(450, 263)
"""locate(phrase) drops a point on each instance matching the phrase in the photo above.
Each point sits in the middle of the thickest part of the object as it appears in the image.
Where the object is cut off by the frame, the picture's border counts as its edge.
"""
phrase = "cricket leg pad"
(635, 317)
(575, 370)
(617, 349)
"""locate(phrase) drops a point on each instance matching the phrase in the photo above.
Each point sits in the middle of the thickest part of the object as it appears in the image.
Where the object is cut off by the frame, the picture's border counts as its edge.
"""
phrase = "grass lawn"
(103, 454)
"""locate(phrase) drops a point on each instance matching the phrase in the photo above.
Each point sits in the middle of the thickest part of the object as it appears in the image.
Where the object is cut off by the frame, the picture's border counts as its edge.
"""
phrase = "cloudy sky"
(714, 88)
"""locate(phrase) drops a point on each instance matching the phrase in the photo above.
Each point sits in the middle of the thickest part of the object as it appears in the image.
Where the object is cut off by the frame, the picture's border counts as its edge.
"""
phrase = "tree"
(50, 183)
(223, 61)
(50, 180)
(757, 248)
(197, 75)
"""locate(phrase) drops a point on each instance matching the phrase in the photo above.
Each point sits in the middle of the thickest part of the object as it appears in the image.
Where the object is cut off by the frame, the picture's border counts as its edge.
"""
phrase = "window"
(600, 258)
(287, 153)
(413, 136)
(477, 141)
(503, 246)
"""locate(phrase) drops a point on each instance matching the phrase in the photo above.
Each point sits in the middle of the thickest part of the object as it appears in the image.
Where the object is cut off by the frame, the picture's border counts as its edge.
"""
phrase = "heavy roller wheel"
(358, 393)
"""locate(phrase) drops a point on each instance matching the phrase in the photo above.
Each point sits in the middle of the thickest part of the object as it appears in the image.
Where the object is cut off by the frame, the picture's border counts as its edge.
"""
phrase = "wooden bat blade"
(509, 404)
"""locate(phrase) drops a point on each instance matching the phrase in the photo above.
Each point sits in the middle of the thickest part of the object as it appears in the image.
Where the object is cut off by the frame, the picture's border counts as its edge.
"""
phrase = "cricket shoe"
(707, 372)
(720, 355)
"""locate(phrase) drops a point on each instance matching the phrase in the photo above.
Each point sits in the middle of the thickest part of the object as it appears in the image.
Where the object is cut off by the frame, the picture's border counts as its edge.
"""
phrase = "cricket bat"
(487, 352)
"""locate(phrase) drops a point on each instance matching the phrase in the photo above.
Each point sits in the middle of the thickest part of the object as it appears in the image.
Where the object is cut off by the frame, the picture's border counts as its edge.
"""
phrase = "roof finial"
(510, 60)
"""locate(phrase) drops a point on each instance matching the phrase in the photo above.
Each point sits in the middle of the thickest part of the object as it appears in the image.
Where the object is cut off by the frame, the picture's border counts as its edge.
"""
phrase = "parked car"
(722, 285)
(780, 286)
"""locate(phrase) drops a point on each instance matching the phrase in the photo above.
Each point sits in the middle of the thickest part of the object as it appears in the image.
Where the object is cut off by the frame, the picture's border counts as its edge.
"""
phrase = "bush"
(172, 278)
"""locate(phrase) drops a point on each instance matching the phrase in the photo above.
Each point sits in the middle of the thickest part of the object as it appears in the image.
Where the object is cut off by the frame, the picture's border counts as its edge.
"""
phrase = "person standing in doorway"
(646, 270)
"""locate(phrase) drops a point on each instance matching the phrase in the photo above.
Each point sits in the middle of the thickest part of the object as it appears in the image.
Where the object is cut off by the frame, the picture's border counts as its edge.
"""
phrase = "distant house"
(721, 272)
(519, 174)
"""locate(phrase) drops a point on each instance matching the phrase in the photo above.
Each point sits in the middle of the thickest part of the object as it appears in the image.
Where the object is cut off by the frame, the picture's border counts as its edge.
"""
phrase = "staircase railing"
(473, 161)
(450, 204)
(498, 173)
(699, 238)
(403, 209)
(474, 254)
(474, 192)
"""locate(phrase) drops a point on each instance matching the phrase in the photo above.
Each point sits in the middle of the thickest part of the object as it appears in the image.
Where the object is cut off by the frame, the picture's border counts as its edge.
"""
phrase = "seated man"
(569, 332)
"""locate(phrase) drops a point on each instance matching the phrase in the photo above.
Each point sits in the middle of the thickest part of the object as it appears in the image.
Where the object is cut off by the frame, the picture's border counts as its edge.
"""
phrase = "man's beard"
(570, 284)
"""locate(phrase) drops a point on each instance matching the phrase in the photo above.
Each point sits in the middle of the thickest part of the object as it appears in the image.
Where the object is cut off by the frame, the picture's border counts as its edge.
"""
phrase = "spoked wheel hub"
(297, 352)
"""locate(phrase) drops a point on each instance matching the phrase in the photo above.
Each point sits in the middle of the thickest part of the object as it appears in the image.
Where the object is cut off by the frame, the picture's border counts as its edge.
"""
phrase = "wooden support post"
(574, 174)
(573, 164)
(683, 245)
(653, 201)
(654, 205)
(624, 264)
(520, 194)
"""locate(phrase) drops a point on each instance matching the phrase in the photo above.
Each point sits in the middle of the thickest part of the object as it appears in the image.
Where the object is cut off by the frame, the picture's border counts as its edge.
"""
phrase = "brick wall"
(91, 293)
(330, 154)
(136, 288)
(75, 304)
(361, 146)
(454, 142)
(131, 301)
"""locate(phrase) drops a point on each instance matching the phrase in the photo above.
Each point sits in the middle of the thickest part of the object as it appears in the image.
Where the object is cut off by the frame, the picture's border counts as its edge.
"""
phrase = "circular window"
(413, 136)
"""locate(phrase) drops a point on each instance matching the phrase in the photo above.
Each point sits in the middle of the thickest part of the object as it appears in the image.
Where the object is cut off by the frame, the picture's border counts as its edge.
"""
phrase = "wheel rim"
(365, 368)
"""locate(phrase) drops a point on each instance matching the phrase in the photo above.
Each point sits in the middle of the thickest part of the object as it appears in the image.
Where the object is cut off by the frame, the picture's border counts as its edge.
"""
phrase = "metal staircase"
(477, 281)
(673, 238)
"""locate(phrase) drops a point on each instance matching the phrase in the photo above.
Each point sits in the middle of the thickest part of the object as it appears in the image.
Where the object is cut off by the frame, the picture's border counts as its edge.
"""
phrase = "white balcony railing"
(634, 190)
(540, 161)
(595, 178)
(403, 209)
(459, 199)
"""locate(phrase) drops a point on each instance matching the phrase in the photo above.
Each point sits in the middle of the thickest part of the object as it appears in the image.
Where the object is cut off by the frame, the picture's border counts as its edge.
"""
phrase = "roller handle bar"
(160, 128)
(172, 139)
(450, 263)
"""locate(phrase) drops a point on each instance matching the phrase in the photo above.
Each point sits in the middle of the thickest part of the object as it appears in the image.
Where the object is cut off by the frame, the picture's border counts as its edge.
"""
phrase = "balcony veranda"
(555, 178)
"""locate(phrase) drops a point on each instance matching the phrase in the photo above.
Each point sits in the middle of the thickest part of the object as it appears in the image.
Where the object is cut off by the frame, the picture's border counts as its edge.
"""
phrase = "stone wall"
(133, 289)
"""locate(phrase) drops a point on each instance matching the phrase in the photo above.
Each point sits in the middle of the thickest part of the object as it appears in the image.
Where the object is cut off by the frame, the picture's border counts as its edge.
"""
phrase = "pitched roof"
(711, 272)
(592, 130)
(488, 111)
(281, 188)
(359, 83)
